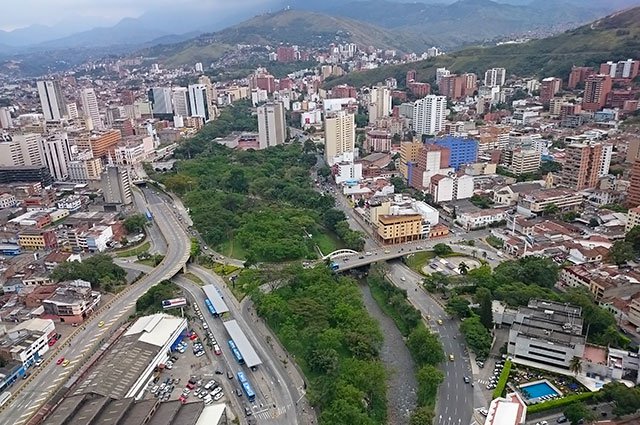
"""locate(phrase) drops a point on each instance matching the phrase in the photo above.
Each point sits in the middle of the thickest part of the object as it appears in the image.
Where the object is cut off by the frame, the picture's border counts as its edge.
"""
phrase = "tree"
(442, 249)
(575, 365)
(463, 268)
(135, 223)
(593, 222)
(577, 412)
(425, 347)
(422, 416)
(332, 217)
(429, 378)
(485, 312)
(550, 209)
(477, 336)
(633, 237)
(621, 252)
(458, 307)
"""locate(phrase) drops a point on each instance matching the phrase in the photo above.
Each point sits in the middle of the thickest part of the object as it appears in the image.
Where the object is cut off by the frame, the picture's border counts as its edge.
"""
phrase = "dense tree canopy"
(135, 223)
(99, 270)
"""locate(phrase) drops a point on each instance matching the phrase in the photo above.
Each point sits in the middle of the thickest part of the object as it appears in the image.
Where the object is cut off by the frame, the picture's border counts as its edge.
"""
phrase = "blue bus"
(246, 386)
(149, 215)
(236, 352)
(210, 307)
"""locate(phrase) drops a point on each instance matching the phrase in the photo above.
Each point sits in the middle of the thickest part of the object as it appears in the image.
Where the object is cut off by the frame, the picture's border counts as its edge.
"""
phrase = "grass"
(147, 262)
(418, 260)
(560, 402)
(135, 251)
(232, 249)
(502, 382)
(327, 242)
(192, 277)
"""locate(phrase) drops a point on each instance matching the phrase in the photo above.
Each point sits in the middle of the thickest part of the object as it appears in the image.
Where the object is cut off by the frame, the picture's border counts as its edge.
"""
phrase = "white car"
(200, 353)
(216, 391)
(218, 396)
(207, 400)
(209, 385)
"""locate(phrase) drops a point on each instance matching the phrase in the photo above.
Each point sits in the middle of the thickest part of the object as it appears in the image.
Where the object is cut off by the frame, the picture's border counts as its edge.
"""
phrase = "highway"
(46, 379)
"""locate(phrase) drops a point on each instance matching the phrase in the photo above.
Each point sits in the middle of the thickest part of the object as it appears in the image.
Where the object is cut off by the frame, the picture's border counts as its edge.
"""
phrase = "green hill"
(614, 37)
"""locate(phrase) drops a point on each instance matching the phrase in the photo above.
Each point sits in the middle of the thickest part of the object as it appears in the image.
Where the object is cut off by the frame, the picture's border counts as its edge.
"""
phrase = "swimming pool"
(539, 389)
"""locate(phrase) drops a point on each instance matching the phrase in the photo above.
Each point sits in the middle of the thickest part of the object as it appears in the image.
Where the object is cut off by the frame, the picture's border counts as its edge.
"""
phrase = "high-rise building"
(596, 90)
(409, 152)
(51, 100)
(72, 111)
(57, 155)
(431, 160)
(272, 128)
(627, 69)
(469, 83)
(633, 194)
(451, 86)
(578, 75)
(441, 72)
(21, 150)
(521, 161)
(160, 98)
(380, 105)
(90, 108)
(495, 77)
(212, 93)
(582, 165)
(339, 135)
(605, 160)
(101, 144)
(411, 76)
(462, 150)
(548, 89)
(180, 100)
(429, 114)
(5, 118)
(286, 54)
(198, 102)
(116, 185)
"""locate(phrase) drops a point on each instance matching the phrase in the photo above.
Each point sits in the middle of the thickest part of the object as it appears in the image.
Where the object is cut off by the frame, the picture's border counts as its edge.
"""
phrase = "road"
(46, 379)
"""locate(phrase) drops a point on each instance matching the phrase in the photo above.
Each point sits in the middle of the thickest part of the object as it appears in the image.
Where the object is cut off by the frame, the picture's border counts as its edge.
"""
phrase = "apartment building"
(394, 229)
(633, 218)
(521, 161)
(535, 202)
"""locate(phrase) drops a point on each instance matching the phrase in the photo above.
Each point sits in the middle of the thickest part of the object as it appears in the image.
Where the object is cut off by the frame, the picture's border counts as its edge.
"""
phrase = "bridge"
(339, 254)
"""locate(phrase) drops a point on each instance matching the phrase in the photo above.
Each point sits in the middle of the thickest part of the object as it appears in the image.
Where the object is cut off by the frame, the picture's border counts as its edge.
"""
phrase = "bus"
(236, 352)
(212, 310)
(4, 397)
(246, 386)
(149, 215)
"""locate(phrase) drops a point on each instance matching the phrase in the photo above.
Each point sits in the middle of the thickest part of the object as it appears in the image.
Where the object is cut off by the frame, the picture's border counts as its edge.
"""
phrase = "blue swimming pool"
(538, 389)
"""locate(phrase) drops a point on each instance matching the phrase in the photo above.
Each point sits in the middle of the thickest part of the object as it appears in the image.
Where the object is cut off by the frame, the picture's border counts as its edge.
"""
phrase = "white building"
(348, 171)
(605, 161)
(272, 128)
(28, 341)
(71, 203)
(91, 109)
(380, 103)
(180, 100)
(339, 135)
(198, 102)
(7, 200)
(495, 77)
(51, 100)
(5, 118)
(133, 150)
(429, 214)
(259, 96)
(471, 220)
(72, 111)
(22, 150)
(57, 154)
(309, 118)
(116, 185)
(451, 187)
(429, 114)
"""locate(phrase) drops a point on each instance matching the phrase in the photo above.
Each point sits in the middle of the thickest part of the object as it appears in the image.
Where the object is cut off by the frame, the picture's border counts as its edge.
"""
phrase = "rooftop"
(244, 346)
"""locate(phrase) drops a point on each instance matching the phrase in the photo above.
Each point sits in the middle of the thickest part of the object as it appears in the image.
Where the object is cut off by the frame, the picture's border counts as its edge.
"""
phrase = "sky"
(23, 13)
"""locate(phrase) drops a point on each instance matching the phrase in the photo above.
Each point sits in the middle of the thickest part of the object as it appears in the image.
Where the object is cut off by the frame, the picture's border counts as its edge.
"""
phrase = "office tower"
(441, 72)
(199, 67)
(548, 89)
(5, 118)
(633, 194)
(596, 90)
(180, 100)
(495, 77)
(339, 135)
(380, 105)
(160, 98)
(212, 93)
(272, 129)
(429, 114)
(462, 150)
(90, 108)
(198, 102)
(57, 155)
(51, 100)
(582, 165)
(116, 185)
(27, 173)
(21, 150)
(605, 161)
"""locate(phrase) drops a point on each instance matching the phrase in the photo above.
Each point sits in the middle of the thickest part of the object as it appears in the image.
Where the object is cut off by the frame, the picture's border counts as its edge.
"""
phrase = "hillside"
(616, 36)
(311, 29)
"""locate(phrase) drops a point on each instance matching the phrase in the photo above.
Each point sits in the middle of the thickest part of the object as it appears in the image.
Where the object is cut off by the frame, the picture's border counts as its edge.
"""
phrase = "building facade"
(339, 135)
(429, 114)
(272, 128)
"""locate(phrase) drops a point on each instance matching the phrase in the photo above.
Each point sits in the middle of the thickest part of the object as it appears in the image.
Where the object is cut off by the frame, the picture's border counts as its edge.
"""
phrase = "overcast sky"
(22, 13)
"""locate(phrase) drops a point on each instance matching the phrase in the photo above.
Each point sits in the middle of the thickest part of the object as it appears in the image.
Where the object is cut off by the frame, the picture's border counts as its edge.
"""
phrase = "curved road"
(49, 377)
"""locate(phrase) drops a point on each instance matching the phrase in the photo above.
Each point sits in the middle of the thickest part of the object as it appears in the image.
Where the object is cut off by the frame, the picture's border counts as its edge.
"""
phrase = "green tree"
(429, 378)
(442, 249)
(135, 223)
(458, 307)
(332, 217)
(621, 252)
(477, 336)
(422, 416)
(577, 412)
(550, 209)
(633, 237)
(485, 312)
(425, 347)
(575, 365)
(463, 268)
(96, 270)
